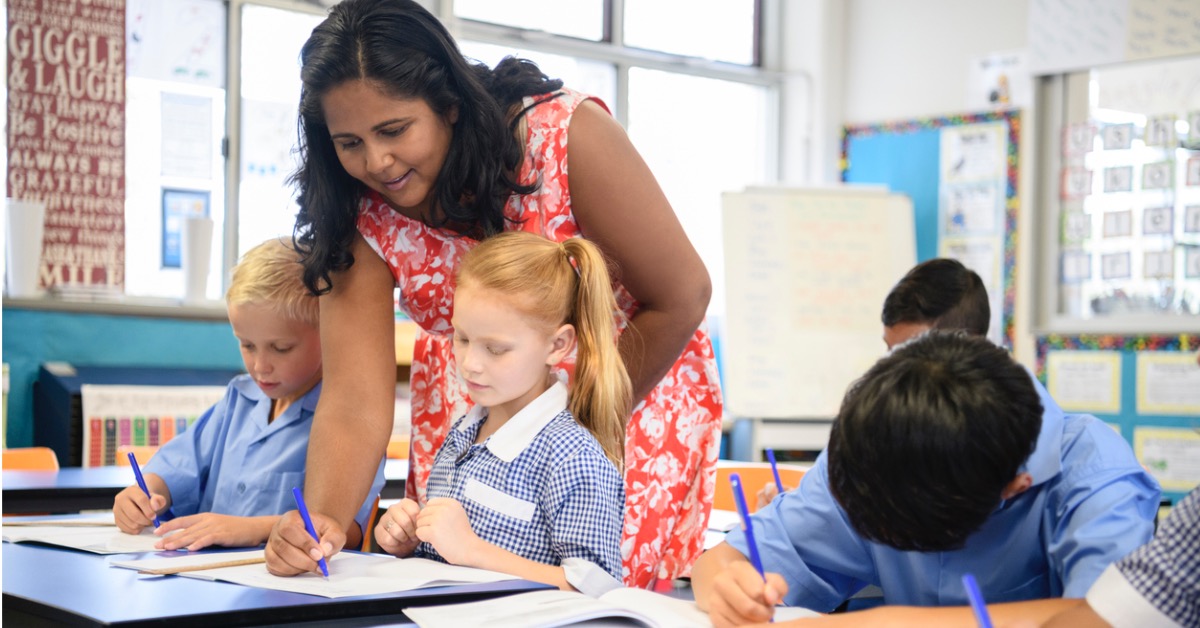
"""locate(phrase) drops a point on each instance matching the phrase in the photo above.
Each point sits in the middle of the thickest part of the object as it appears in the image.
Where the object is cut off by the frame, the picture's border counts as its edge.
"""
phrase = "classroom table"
(72, 489)
(45, 585)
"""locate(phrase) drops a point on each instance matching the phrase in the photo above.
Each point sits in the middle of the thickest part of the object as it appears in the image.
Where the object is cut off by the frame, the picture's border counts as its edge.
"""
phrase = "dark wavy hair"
(926, 441)
(403, 49)
(943, 293)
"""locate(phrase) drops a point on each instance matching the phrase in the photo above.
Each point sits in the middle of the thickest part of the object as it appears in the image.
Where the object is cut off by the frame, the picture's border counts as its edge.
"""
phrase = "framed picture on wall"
(1158, 220)
(178, 205)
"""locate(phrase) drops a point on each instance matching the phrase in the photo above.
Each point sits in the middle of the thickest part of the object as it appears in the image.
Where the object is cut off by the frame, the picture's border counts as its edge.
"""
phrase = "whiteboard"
(807, 271)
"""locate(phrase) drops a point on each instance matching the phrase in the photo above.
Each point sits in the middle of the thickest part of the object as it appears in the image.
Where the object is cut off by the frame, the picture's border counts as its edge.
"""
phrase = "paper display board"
(807, 271)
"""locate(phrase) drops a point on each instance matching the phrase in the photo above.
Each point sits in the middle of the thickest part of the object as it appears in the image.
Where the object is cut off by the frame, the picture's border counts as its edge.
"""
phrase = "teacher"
(410, 154)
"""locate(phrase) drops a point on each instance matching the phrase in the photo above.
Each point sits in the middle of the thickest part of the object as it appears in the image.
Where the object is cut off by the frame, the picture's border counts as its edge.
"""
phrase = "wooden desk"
(45, 585)
(72, 489)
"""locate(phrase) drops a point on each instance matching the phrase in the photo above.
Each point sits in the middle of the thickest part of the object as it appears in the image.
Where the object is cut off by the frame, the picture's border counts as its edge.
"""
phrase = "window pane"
(590, 77)
(721, 30)
(1130, 238)
(583, 19)
(175, 121)
(271, 42)
(693, 166)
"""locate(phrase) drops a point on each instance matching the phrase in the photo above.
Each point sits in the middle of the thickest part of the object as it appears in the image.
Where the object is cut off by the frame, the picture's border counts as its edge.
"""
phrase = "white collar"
(514, 436)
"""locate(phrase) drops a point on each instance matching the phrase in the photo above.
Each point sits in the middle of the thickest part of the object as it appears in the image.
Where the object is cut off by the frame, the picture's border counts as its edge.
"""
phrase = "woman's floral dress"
(673, 438)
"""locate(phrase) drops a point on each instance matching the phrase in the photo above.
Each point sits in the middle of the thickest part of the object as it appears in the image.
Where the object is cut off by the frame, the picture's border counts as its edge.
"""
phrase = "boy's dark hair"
(943, 293)
(928, 438)
(402, 49)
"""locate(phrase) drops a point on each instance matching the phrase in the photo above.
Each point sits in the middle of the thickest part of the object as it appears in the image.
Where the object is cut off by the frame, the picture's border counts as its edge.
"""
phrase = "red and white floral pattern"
(673, 438)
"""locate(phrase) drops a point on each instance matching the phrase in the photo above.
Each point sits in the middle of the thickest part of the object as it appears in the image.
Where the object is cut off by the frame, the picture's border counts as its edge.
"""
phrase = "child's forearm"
(495, 558)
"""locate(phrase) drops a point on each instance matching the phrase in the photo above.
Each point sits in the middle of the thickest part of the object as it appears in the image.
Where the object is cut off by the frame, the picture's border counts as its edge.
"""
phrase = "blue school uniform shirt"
(231, 461)
(1091, 503)
(539, 487)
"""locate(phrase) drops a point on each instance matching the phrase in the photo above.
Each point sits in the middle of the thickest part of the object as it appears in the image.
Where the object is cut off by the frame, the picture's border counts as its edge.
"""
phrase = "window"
(1129, 222)
(674, 89)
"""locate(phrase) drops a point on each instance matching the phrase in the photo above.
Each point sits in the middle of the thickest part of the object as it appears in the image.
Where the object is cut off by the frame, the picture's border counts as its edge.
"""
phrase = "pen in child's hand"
(137, 473)
(977, 603)
(744, 512)
(775, 470)
(308, 525)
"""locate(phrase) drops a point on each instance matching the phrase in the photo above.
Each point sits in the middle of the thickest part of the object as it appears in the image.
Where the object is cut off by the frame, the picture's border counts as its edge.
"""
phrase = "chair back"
(142, 453)
(754, 476)
(30, 459)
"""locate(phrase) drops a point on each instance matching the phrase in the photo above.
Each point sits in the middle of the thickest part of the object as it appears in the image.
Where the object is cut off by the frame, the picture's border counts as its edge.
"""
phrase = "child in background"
(940, 293)
(529, 481)
(229, 476)
(946, 458)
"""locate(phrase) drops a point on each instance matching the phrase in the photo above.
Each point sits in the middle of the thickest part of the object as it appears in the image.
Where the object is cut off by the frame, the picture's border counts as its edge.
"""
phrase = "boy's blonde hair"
(271, 274)
(555, 283)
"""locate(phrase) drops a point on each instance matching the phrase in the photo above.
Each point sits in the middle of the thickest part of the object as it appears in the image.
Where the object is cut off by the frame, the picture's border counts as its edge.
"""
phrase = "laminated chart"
(139, 416)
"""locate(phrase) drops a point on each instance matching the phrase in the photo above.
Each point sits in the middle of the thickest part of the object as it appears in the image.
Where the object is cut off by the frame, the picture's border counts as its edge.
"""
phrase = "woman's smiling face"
(395, 146)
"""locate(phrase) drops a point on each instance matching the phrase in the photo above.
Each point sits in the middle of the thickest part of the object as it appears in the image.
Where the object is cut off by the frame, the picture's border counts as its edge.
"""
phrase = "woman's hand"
(291, 549)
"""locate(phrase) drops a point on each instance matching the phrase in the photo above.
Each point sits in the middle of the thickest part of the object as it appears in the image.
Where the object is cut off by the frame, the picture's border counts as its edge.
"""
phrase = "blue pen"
(309, 526)
(137, 473)
(977, 603)
(775, 470)
(740, 498)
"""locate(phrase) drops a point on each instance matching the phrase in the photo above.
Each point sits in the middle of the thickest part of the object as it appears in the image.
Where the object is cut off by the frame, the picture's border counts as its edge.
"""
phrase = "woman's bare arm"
(620, 206)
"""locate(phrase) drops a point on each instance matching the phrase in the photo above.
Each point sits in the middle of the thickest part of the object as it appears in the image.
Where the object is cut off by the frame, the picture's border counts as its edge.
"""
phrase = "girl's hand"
(443, 524)
(133, 511)
(198, 531)
(396, 531)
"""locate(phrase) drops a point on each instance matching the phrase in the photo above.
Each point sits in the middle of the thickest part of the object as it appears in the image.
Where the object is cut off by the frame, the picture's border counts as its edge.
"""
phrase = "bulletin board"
(1145, 387)
(961, 173)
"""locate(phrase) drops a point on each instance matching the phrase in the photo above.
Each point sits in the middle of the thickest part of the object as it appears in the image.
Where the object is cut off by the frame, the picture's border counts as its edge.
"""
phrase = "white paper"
(723, 520)
(999, 81)
(1075, 34)
(187, 136)
(97, 540)
(350, 574)
(972, 209)
(548, 609)
(1168, 383)
(1087, 381)
(1171, 455)
(974, 152)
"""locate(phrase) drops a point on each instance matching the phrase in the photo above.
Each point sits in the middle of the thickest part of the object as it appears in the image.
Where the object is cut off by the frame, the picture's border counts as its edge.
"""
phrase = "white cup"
(195, 255)
(25, 225)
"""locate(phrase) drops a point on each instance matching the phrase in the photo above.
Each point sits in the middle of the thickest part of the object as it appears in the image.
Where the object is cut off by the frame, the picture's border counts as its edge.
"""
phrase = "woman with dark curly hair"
(411, 154)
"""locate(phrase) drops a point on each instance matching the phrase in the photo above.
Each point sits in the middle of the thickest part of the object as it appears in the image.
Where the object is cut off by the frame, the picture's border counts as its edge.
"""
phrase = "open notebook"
(547, 609)
(350, 573)
(99, 536)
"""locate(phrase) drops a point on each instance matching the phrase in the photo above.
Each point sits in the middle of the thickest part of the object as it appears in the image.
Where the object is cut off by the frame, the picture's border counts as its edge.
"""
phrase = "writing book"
(350, 573)
(548, 609)
(98, 539)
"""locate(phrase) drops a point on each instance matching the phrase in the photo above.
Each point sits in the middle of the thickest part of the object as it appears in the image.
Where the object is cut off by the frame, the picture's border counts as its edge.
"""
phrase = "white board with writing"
(807, 271)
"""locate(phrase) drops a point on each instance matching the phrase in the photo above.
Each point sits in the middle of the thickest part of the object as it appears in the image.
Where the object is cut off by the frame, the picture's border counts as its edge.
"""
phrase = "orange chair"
(754, 476)
(142, 453)
(397, 448)
(30, 459)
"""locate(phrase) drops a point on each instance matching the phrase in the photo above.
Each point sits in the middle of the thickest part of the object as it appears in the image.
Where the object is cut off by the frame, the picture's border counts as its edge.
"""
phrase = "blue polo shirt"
(233, 461)
(1090, 504)
(539, 487)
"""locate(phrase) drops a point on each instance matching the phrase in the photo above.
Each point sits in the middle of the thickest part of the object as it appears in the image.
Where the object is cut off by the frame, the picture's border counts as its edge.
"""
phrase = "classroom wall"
(910, 59)
(32, 337)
